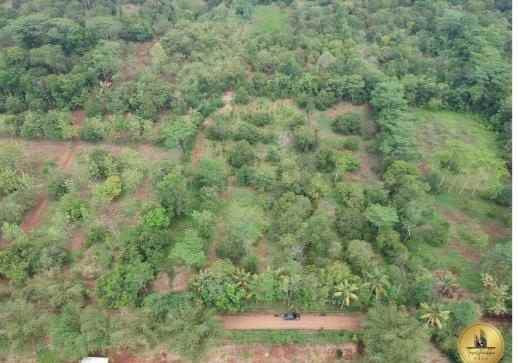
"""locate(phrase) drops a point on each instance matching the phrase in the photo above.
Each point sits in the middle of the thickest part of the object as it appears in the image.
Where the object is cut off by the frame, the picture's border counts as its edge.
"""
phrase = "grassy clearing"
(466, 153)
(270, 19)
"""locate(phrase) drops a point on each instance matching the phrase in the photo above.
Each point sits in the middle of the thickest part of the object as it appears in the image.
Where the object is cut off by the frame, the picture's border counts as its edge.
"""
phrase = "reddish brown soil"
(494, 230)
(261, 321)
(77, 241)
(253, 353)
(181, 279)
(468, 253)
(162, 283)
(143, 192)
(155, 357)
(78, 117)
(200, 144)
(368, 164)
(35, 215)
(142, 59)
(286, 353)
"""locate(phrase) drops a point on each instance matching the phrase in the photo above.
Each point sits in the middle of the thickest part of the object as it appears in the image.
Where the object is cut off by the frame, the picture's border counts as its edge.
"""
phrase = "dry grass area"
(253, 353)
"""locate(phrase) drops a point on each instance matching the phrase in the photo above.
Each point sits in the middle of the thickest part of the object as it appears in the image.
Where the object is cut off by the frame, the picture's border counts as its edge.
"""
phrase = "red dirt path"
(307, 322)
(35, 215)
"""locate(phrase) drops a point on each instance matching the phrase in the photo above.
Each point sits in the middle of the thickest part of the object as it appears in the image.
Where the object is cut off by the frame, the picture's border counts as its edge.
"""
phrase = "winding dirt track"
(253, 321)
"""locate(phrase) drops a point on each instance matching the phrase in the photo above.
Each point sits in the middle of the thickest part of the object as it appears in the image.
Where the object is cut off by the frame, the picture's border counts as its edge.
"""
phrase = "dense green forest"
(164, 162)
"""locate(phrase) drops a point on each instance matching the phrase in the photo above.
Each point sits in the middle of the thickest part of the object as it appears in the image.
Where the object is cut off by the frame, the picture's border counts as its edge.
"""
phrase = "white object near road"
(94, 360)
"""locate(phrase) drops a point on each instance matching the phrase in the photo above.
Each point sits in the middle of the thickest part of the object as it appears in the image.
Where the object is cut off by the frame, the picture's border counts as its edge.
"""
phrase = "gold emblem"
(481, 343)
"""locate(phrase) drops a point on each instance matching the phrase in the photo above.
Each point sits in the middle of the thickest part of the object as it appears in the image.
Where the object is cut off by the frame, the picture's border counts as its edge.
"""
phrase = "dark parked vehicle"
(291, 315)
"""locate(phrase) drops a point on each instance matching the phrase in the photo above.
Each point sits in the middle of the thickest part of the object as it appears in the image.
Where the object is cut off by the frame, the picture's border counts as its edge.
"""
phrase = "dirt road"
(256, 321)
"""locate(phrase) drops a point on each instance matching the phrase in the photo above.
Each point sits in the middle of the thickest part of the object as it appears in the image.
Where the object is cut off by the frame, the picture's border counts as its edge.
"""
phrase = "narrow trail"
(35, 215)
(261, 321)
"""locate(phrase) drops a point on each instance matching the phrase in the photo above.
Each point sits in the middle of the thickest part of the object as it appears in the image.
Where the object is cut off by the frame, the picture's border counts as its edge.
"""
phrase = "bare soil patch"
(343, 108)
(138, 61)
(162, 283)
(368, 164)
(256, 321)
(77, 241)
(181, 279)
(35, 215)
(252, 353)
(78, 117)
(161, 356)
(434, 355)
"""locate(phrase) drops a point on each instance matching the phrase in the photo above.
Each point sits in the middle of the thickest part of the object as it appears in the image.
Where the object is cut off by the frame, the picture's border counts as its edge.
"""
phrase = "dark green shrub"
(97, 234)
(352, 143)
(347, 124)
(241, 154)
(326, 160)
(305, 139)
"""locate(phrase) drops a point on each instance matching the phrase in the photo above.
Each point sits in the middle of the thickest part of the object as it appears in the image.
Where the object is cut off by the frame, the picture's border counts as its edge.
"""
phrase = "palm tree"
(345, 293)
(377, 284)
(447, 284)
(433, 315)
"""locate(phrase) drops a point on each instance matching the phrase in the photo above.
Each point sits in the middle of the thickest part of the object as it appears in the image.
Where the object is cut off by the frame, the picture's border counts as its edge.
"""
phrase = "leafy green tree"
(433, 315)
(223, 287)
(156, 218)
(124, 285)
(391, 335)
(241, 154)
(305, 139)
(496, 296)
(190, 249)
(204, 223)
(210, 173)
(348, 124)
(174, 193)
(180, 134)
(381, 217)
(111, 188)
(193, 329)
(350, 223)
(377, 283)
(23, 327)
(66, 334)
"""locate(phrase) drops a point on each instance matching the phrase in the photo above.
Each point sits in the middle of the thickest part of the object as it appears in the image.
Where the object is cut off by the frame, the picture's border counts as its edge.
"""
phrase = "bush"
(58, 186)
(347, 124)
(124, 285)
(74, 208)
(360, 256)
(101, 165)
(232, 249)
(259, 119)
(241, 154)
(248, 132)
(347, 163)
(352, 143)
(156, 219)
(219, 130)
(111, 188)
(210, 173)
(326, 160)
(204, 223)
(93, 130)
(305, 139)
(97, 234)
(190, 249)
